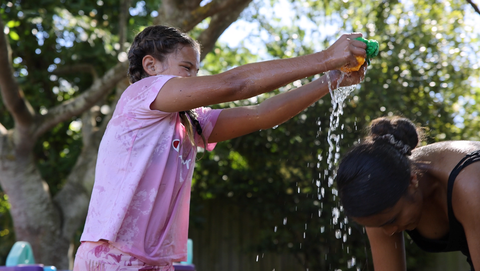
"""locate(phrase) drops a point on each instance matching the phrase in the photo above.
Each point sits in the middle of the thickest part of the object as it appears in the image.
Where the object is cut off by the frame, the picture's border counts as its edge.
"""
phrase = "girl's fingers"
(358, 51)
(354, 35)
(359, 44)
(358, 48)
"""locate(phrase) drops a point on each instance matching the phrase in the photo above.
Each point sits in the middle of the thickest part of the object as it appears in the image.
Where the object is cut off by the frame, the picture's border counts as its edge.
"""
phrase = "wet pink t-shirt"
(140, 200)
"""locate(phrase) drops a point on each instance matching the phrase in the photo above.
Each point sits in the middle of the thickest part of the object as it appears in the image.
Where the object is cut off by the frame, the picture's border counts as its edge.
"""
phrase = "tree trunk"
(37, 219)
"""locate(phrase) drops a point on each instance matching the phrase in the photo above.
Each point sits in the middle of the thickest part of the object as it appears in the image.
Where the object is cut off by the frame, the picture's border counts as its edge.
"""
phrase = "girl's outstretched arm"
(238, 121)
(184, 93)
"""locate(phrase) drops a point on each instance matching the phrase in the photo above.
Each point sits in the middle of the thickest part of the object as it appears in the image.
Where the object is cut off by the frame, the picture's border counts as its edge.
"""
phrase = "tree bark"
(36, 217)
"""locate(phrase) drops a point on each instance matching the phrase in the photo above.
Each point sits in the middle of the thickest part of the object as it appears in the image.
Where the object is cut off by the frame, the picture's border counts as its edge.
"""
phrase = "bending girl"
(390, 186)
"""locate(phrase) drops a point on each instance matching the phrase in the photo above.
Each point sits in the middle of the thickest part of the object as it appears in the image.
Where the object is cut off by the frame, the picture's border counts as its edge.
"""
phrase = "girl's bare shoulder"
(446, 148)
(442, 157)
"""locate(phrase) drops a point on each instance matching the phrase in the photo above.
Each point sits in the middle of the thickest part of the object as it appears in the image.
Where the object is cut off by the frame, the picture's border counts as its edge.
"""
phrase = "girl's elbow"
(235, 86)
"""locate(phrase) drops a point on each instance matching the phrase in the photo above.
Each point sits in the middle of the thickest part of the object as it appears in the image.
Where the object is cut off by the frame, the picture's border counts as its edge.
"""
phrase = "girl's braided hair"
(160, 41)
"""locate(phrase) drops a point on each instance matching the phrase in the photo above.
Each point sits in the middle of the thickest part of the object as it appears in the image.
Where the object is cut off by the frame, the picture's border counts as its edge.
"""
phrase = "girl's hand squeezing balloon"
(348, 79)
(344, 51)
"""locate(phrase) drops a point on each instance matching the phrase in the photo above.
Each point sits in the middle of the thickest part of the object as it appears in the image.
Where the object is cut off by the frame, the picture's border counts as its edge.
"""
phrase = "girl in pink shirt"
(138, 213)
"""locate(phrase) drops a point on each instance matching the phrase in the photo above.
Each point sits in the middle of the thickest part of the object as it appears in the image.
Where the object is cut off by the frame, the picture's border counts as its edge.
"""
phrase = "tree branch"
(219, 23)
(122, 23)
(78, 68)
(186, 16)
(12, 95)
(73, 107)
(475, 7)
(190, 4)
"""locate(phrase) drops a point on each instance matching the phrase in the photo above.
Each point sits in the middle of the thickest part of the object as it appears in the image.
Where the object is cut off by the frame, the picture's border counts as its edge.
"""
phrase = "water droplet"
(351, 263)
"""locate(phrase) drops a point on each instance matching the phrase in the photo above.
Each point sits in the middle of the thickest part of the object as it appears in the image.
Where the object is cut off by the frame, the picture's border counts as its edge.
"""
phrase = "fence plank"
(223, 242)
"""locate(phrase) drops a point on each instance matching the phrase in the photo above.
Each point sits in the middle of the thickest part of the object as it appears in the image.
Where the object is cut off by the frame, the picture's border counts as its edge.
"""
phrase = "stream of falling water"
(338, 95)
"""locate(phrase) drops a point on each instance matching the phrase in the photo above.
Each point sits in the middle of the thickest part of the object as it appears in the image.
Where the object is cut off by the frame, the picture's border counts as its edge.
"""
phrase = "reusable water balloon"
(372, 51)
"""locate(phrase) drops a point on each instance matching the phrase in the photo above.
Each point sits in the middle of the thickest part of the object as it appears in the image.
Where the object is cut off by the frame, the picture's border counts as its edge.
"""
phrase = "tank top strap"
(466, 161)
(457, 238)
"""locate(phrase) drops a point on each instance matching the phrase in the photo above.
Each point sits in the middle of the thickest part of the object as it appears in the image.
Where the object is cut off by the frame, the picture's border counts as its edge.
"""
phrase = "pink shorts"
(102, 256)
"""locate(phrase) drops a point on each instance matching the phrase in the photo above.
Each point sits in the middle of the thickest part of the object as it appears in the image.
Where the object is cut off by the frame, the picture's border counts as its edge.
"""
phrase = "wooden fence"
(223, 244)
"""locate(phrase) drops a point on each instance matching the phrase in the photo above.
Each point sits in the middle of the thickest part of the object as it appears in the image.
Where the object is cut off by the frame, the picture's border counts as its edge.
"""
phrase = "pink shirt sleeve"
(207, 118)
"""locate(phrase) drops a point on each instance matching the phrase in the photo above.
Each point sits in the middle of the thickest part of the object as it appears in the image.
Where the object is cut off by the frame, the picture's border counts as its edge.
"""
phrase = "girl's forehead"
(375, 220)
(383, 217)
(188, 52)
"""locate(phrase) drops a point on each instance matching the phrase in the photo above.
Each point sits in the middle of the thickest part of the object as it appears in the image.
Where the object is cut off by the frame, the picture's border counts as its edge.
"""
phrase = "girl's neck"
(432, 186)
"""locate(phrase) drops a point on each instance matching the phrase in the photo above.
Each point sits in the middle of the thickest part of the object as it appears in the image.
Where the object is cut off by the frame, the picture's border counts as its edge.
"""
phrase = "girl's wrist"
(333, 77)
(324, 61)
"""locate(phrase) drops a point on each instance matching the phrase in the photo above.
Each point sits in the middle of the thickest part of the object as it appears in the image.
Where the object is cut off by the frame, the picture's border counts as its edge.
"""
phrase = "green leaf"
(13, 35)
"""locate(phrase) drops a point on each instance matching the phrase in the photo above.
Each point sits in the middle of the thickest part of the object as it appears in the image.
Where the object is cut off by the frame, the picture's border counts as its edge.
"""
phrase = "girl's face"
(404, 215)
(184, 62)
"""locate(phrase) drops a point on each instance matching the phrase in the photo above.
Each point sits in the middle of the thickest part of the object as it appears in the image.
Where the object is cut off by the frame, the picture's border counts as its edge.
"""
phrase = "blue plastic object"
(20, 258)
(189, 252)
(21, 253)
(186, 266)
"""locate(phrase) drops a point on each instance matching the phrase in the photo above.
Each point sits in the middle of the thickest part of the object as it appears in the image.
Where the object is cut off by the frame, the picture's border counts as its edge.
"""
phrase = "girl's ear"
(149, 65)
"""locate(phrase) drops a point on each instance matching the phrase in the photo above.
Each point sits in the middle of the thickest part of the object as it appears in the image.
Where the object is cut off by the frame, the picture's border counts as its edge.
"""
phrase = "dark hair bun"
(401, 128)
(375, 174)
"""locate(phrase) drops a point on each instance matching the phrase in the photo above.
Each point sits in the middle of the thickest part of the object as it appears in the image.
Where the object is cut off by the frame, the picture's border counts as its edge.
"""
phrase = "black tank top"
(455, 239)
